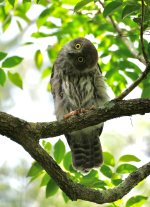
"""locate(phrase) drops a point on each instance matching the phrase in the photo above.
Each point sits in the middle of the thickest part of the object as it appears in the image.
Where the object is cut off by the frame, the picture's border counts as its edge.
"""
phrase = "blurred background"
(36, 32)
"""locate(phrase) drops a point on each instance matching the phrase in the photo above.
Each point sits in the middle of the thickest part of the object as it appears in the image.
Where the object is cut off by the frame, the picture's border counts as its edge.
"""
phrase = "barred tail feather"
(86, 149)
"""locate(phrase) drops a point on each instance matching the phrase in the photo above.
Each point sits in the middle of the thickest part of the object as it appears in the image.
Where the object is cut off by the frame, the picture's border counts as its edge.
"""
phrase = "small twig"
(135, 83)
(134, 53)
(147, 69)
(126, 41)
(142, 32)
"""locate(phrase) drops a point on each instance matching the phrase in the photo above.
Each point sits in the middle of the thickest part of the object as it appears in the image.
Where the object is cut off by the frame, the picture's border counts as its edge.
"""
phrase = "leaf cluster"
(109, 175)
(66, 20)
(6, 64)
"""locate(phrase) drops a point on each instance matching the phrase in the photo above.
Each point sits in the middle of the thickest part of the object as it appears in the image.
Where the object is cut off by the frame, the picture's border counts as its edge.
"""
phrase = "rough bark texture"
(27, 134)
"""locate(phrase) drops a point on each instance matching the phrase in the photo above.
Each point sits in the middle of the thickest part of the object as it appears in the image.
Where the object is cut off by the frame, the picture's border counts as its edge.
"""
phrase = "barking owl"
(77, 83)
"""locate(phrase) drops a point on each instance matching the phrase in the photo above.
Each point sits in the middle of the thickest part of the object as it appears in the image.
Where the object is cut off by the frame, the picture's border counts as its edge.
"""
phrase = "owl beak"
(71, 53)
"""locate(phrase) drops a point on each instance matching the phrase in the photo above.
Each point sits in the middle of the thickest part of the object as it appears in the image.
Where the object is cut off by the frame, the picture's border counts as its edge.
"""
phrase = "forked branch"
(28, 134)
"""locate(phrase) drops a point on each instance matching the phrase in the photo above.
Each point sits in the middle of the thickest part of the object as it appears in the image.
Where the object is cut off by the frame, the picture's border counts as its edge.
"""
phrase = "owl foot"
(92, 107)
(77, 112)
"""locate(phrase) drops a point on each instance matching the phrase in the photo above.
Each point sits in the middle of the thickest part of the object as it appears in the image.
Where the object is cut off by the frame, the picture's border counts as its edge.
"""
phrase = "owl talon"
(76, 112)
(92, 107)
(67, 116)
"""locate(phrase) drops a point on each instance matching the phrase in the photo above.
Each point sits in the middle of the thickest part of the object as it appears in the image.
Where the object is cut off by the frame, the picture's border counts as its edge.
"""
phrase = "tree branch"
(126, 41)
(13, 127)
(25, 133)
(142, 31)
(147, 69)
(135, 83)
(143, 59)
(77, 191)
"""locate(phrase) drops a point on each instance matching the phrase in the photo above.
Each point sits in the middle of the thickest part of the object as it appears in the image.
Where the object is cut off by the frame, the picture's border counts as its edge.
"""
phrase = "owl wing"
(100, 88)
(56, 82)
(99, 68)
(56, 89)
(60, 99)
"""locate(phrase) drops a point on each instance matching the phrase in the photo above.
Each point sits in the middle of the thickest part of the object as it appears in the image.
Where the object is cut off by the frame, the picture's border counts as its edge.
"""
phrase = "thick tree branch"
(25, 133)
(77, 191)
(13, 127)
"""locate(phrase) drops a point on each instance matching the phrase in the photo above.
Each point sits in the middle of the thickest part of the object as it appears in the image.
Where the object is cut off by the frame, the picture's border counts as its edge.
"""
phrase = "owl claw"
(72, 113)
(92, 107)
(77, 112)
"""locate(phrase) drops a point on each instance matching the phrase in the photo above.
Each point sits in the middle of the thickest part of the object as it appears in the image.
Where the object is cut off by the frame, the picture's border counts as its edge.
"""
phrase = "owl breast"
(79, 90)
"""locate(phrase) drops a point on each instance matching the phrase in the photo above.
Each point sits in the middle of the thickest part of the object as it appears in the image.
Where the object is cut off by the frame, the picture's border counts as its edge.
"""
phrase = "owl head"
(82, 54)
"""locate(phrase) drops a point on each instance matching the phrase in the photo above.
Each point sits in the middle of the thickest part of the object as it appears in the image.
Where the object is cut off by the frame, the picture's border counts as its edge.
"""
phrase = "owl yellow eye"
(77, 46)
(80, 59)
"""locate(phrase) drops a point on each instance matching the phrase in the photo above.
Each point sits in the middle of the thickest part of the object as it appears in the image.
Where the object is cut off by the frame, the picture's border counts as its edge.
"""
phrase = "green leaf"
(148, 50)
(6, 22)
(2, 55)
(67, 162)
(38, 59)
(73, 2)
(111, 7)
(81, 4)
(49, 87)
(43, 17)
(2, 77)
(130, 9)
(132, 75)
(106, 171)
(42, 2)
(12, 61)
(47, 146)
(59, 151)
(46, 178)
(28, 43)
(51, 188)
(99, 184)
(108, 159)
(146, 91)
(136, 201)
(15, 79)
(26, 1)
(12, 2)
(116, 179)
(19, 25)
(46, 72)
(22, 10)
(126, 168)
(35, 170)
(40, 34)
(90, 177)
(129, 158)
(65, 197)
(92, 180)
(116, 182)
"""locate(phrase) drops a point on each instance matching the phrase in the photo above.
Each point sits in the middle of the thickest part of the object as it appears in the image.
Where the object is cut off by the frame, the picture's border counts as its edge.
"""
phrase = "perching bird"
(77, 83)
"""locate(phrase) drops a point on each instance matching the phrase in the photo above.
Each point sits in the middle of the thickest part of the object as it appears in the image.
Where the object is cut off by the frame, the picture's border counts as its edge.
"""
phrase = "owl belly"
(79, 91)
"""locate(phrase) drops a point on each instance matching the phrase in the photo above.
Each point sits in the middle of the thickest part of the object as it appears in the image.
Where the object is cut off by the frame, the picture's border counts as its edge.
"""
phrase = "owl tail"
(86, 148)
